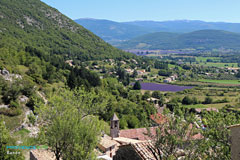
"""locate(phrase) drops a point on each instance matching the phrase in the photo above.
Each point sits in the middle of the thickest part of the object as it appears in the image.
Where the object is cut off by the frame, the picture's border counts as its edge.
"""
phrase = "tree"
(216, 145)
(133, 121)
(238, 74)
(208, 100)
(71, 130)
(172, 105)
(173, 136)
(135, 74)
(156, 94)
(146, 95)
(161, 101)
(187, 100)
(6, 140)
(137, 85)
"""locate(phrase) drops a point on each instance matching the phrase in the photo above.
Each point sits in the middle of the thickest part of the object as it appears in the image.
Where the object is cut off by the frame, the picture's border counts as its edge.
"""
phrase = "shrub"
(208, 100)
(156, 94)
(32, 118)
(11, 111)
(14, 104)
(187, 100)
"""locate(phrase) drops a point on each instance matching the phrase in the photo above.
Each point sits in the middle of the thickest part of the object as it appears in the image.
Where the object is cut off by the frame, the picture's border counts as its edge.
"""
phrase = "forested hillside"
(33, 23)
(203, 39)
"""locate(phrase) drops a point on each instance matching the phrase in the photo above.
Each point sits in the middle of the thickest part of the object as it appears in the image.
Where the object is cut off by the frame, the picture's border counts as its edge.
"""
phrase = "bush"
(14, 104)
(11, 111)
(32, 119)
(146, 95)
(157, 94)
(133, 121)
(187, 100)
(208, 100)
(172, 105)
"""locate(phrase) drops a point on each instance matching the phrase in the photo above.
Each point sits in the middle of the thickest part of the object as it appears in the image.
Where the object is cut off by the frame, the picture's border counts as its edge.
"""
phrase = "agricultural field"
(220, 97)
(163, 87)
(220, 81)
(220, 65)
(204, 59)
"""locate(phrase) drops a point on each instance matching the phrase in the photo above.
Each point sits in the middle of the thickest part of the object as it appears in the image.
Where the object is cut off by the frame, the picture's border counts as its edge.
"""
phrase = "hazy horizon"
(157, 20)
(125, 10)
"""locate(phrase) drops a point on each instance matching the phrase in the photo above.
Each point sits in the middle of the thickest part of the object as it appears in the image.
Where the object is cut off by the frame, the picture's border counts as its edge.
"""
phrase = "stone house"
(235, 141)
(108, 146)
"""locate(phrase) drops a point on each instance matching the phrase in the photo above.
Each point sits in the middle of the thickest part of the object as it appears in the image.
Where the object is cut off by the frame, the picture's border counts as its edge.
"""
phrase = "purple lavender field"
(163, 87)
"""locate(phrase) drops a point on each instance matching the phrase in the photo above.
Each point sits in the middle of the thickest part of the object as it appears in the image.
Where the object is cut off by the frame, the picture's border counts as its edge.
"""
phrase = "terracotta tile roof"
(158, 118)
(144, 150)
(138, 134)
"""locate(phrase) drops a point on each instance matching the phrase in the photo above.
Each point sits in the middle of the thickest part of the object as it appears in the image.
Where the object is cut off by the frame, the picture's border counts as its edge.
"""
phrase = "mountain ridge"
(147, 26)
(202, 39)
(111, 31)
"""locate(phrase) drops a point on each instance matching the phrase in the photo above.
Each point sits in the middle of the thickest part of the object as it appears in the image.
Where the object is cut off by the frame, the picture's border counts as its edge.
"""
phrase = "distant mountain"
(184, 26)
(114, 32)
(111, 31)
(33, 23)
(203, 39)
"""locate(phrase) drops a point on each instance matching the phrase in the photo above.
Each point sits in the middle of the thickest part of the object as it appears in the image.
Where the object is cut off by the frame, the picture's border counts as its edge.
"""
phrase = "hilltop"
(203, 39)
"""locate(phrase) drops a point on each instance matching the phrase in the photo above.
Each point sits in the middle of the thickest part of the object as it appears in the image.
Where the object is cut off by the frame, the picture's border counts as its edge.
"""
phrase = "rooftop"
(138, 133)
(114, 118)
(123, 140)
(107, 142)
(144, 150)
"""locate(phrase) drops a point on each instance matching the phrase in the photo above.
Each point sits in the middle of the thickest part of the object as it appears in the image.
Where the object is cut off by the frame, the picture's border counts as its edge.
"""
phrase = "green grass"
(219, 65)
(22, 133)
(221, 81)
(195, 106)
(204, 59)
(13, 122)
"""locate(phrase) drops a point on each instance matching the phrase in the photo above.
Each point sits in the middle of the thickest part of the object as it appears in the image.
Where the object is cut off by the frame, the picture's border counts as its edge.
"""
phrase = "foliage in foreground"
(69, 128)
(177, 135)
(6, 140)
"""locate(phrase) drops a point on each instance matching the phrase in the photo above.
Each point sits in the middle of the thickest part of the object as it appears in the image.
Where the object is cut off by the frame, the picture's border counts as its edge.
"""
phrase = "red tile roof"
(158, 118)
(139, 133)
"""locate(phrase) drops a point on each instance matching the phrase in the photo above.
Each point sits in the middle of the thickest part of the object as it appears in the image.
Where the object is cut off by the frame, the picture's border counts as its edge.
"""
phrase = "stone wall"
(235, 142)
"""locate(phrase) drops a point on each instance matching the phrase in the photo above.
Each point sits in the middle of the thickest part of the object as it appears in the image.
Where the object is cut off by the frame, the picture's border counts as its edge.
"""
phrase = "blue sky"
(158, 10)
